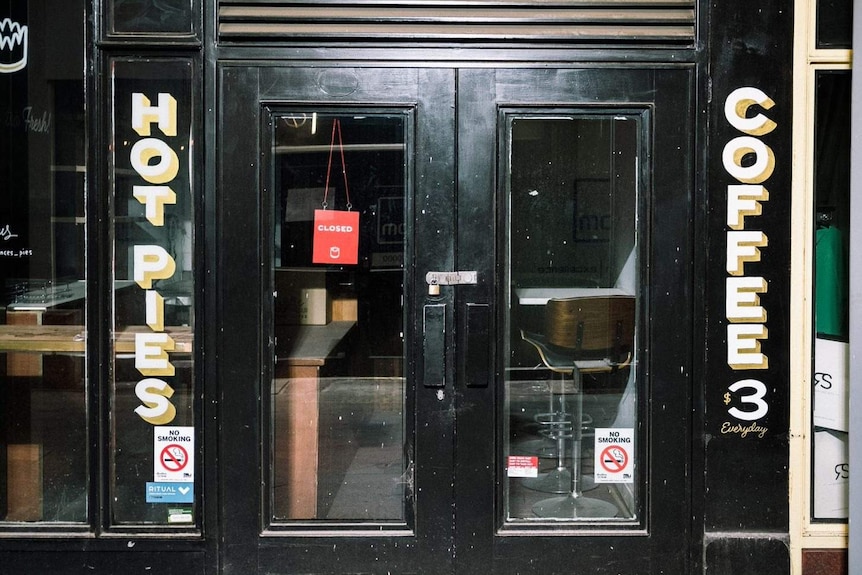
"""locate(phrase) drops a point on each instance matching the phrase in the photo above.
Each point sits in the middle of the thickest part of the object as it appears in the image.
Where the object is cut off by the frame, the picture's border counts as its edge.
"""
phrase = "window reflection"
(338, 390)
(570, 436)
(831, 306)
(164, 17)
(43, 437)
(834, 24)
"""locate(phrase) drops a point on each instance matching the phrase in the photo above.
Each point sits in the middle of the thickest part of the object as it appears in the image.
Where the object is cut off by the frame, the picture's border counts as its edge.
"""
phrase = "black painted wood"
(746, 512)
(746, 473)
(455, 525)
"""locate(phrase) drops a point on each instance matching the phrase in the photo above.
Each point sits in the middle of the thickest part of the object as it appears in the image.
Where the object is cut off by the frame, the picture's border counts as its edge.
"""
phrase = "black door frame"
(243, 92)
(666, 96)
(248, 91)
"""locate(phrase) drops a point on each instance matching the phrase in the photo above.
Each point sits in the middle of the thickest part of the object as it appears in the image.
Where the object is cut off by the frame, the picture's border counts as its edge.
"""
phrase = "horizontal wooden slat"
(524, 32)
(468, 4)
(648, 21)
(270, 14)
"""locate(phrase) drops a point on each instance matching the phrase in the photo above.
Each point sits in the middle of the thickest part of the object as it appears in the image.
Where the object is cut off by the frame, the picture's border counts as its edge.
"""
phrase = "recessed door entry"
(444, 299)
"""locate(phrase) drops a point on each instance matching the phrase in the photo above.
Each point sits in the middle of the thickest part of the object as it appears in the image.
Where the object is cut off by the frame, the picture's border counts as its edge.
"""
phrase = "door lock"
(437, 279)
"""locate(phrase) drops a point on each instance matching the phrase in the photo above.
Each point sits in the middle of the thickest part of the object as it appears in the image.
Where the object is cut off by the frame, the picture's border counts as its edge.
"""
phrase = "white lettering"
(157, 163)
(143, 114)
(741, 147)
(155, 310)
(736, 107)
(334, 228)
(743, 302)
(154, 394)
(151, 263)
(160, 172)
(154, 199)
(742, 246)
(743, 346)
(151, 353)
(751, 162)
(744, 200)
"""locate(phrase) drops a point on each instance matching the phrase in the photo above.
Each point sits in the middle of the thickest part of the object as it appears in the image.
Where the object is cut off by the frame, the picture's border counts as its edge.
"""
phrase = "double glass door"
(454, 313)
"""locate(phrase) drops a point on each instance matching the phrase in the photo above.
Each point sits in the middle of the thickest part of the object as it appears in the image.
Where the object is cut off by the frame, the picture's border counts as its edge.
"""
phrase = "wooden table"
(301, 351)
(71, 339)
(24, 345)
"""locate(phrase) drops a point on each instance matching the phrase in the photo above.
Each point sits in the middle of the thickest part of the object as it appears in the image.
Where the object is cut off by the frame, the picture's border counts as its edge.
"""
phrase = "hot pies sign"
(157, 163)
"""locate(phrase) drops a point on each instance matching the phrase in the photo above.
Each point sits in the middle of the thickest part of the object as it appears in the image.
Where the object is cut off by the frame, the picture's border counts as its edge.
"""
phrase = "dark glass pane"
(169, 17)
(831, 305)
(43, 415)
(152, 470)
(571, 373)
(834, 23)
(338, 391)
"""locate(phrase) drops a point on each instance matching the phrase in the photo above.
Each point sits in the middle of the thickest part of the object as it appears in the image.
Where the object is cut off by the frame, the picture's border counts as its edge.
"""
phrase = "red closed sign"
(336, 237)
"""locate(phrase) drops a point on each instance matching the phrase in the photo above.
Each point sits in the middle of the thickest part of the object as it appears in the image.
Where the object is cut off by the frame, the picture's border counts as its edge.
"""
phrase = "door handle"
(437, 279)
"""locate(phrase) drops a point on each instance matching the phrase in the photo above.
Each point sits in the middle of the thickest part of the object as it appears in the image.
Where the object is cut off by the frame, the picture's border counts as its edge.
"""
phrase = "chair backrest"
(591, 325)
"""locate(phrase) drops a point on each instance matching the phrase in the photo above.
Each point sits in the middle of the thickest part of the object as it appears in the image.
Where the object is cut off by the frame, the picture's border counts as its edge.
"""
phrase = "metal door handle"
(436, 279)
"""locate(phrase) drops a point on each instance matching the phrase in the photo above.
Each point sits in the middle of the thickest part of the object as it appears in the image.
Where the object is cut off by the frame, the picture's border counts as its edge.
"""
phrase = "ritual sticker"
(180, 492)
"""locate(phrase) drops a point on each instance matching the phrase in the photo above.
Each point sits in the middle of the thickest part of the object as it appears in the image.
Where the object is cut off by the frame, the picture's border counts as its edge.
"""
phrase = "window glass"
(43, 391)
(166, 17)
(834, 23)
(571, 431)
(338, 387)
(831, 283)
(153, 439)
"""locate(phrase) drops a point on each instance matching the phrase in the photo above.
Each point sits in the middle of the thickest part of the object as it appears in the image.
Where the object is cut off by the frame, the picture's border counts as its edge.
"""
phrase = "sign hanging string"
(336, 129)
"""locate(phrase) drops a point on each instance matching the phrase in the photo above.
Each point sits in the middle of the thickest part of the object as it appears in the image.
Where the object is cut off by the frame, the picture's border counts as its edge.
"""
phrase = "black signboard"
(748, 287)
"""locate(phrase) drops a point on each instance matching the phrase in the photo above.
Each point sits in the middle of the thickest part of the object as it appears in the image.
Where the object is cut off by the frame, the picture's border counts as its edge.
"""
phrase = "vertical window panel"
(162, 17)
(571, 433)
(152, 407)
(830, 467)
(43, 385)
(338, 387)
(834, 24)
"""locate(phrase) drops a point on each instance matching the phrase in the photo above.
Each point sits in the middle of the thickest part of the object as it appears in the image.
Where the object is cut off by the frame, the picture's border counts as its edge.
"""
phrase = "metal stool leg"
(575, 505)
(559, 424)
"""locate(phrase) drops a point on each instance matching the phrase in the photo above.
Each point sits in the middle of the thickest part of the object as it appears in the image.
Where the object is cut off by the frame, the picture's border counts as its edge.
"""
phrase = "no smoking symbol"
(174, 457)
(614, 459)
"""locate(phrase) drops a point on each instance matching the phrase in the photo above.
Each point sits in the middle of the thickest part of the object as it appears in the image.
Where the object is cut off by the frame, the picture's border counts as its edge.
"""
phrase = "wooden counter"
(301, 351)
(71, 339)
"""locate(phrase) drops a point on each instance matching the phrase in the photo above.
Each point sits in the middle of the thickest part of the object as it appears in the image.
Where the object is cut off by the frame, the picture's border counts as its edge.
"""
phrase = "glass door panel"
(338, 386)
(571, 288)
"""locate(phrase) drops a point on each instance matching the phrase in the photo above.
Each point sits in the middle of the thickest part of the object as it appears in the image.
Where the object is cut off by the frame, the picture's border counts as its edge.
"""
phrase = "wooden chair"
(582, 335)
(596, 332)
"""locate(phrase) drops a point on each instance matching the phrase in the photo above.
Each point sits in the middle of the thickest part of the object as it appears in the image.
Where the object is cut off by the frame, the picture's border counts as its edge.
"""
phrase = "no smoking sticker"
(613, 455)
(174, 453)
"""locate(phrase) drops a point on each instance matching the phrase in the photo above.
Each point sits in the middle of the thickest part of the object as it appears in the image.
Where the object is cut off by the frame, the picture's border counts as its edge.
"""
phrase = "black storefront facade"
(399, 288)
